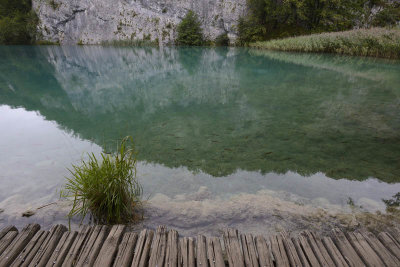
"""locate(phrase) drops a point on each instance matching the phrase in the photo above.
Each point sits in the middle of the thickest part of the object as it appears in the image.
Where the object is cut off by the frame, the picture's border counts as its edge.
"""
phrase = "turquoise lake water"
(215, 122)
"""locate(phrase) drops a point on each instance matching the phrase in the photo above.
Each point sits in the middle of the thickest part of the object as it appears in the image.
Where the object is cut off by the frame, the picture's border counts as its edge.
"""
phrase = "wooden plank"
(278, 250)
(18, 244)
(187, 252)
(388, 241)
(61, 251)
(158, 250)
(345, 248)
(109, 249)
(233, 249)
(142, 249)
(214, 252)
(264, 254)
(46, 249)
(300, 252)
(30, 250)
(171, 259)
(201, 249)
(83, 234)
(125, 251)
(379, 248)
(291, 252)
(334, 252)
(249, 250)
(5, 230)
(366, 253)
(319, 249)
(92, 247)
(6, 240)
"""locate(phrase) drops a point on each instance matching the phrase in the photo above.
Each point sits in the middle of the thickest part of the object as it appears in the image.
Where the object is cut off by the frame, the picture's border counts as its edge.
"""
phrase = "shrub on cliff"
(189, 31)
(17, 22)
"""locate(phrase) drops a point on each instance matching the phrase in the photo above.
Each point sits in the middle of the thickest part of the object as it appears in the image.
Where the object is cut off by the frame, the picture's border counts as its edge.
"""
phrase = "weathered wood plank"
(291, 252)
(380, 249)
(30, 250)
(264, 254)
(81, 238)
(319, 249)
(364, 250)
(171, 259)
(109, 248)
(61, 251)
(278, 250)
(249, 250)
(201, 258)
(92, 247)
(214, 252)
(300, 252)
(5, 230)
(157, 255)
(18, 244)
(142, 249)
(390, 243)
(334, 252)
(187, 252)
(46, 249)
(233, 249)
(345, 248)
(6, 240)
(126, 249)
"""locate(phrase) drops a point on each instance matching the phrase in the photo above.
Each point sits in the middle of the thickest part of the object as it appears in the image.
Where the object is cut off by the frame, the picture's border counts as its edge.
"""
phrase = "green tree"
(189, 31)
(17, 22)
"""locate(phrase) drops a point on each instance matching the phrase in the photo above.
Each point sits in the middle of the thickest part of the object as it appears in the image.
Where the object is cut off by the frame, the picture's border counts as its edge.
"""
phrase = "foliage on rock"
(189, 31)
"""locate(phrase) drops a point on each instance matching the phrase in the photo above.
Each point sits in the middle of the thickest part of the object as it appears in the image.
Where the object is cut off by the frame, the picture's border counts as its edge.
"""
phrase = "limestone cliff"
(96, 21)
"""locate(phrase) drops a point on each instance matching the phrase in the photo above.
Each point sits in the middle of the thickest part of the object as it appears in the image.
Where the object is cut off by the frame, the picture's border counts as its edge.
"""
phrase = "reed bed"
(374, 42)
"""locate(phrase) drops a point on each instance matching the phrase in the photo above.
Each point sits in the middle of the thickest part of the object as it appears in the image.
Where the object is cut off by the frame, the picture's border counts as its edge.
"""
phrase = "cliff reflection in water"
(219, 110)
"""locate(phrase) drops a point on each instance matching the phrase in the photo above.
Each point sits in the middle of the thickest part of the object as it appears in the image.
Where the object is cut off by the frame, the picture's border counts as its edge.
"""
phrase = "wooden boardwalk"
(115, 246)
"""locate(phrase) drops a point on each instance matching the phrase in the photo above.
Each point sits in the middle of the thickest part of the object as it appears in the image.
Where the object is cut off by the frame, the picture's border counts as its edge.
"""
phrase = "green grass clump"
(106, 188)
(374, 42)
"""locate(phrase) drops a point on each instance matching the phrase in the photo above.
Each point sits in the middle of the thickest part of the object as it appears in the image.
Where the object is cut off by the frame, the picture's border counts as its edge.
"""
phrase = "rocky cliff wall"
(96, 21)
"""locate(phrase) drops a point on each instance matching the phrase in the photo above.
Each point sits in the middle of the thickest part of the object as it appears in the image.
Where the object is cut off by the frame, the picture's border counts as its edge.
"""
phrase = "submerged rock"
(28, 213)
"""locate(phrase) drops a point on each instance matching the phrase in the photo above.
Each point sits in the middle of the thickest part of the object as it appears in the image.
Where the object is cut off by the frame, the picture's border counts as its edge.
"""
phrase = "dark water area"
(210, 124)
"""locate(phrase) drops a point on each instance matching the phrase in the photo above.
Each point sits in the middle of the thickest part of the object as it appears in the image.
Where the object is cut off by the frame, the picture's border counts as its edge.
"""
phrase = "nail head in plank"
(201, 251)
(125, 251)
(18, 244)
(110, 246)
(30, 250)
(264, 254)
(6, 240)
(214, 252)
(62, 249)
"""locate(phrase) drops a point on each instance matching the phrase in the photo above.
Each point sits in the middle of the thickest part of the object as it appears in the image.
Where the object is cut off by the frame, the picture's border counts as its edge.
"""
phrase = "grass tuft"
(374, 42)
(106, 188)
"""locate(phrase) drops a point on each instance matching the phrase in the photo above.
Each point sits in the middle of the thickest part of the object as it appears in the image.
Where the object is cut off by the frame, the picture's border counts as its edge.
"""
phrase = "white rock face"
(96, 21)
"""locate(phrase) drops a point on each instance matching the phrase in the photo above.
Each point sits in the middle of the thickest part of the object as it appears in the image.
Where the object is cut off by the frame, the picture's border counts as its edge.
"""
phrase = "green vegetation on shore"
(272, 19)
(106, 188)
(17, 22)
(375, 42)
(189, 31)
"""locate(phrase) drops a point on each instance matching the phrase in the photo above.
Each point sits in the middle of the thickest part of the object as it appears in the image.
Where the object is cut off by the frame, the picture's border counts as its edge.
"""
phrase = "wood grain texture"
(345, 248)
(6, 240)
(158, 250)
(30, 250)
(109, 248)
(62, 249)
(291, 251)
(233, 248)
(172, 254)
(214, 252)
(7, 229)
(380, 249)
(278, 251)
(319, 249)
(363, 249)
(334, 252)
(125, 250)
(142, 249)
(264, 254)
(73, 253)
